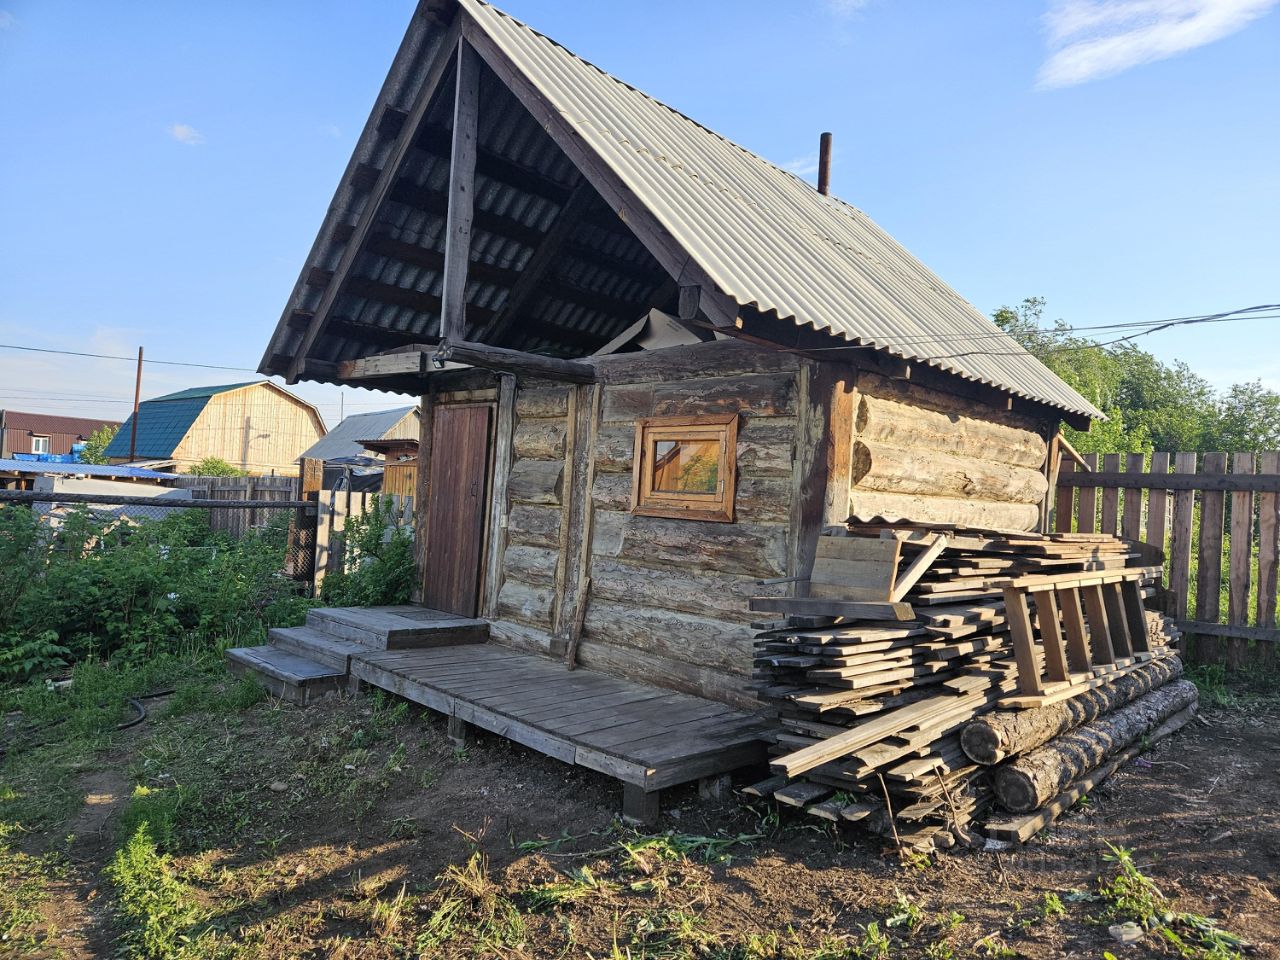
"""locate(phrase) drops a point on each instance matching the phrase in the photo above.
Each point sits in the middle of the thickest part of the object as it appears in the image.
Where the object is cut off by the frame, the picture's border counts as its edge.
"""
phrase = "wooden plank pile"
(874, 706)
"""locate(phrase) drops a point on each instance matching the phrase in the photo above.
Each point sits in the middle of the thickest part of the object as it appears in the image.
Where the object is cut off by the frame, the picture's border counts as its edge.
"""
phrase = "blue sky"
(164, 167)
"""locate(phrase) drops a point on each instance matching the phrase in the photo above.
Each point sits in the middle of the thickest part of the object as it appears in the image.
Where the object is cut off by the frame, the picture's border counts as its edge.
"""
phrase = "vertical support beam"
(422, 495)
(1073, 622)
(584, 425)
(500, 505)
(1024, 652)
(639, 806)
(1135, 614)
(821, 472)
(1099, 631)
(1117, 622)
(462, 172)
(1055, 658)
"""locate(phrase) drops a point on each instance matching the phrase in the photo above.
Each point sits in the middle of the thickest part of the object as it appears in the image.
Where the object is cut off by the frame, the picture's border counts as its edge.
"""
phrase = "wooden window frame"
(717, 507)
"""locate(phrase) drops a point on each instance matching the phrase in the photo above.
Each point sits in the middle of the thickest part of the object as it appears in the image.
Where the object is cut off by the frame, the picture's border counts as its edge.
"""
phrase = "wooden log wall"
(1215, 516)
(929, 456)
(533, 560)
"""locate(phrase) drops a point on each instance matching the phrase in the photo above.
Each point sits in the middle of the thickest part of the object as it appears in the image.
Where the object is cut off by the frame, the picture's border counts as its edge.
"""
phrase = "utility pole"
(137, 397)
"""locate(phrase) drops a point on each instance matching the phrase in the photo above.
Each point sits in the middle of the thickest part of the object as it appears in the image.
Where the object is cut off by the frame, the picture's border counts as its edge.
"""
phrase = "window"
(39, 444)
(685, 467)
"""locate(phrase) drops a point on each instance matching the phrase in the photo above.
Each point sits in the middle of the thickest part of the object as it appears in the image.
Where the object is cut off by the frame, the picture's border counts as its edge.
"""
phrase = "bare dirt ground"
(353, 828)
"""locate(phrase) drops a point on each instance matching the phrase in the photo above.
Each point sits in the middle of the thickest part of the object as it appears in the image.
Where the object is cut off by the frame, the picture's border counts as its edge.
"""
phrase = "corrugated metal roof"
(82, 469)
(343, 440)
(43, 423)
(766, 237)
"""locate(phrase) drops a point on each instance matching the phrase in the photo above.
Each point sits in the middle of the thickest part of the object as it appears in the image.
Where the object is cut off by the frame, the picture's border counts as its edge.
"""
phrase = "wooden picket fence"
(1219, 530)
(239, 522)
(334, 507)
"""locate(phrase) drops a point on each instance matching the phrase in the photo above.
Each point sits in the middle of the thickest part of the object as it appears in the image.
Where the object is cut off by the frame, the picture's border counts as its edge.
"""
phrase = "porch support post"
(640, 806)
(462, 171)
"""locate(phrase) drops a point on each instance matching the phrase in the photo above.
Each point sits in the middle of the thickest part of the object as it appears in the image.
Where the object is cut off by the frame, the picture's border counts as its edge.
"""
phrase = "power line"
(107, 356)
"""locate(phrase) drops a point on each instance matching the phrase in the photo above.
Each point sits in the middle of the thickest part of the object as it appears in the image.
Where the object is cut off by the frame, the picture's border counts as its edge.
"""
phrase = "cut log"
(1035, 778)
(872, 504)
(924, 470)
(1006, 733)
(909, 425)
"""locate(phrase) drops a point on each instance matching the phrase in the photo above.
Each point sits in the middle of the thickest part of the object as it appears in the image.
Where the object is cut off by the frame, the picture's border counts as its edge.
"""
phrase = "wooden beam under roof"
(386, 178)
(422, 360)
(462, 189)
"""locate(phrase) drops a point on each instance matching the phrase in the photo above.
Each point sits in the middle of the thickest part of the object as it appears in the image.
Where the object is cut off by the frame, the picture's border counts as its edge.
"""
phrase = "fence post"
(1240, 573)
(1209, 563)
(1268, 544)
(1086, 509)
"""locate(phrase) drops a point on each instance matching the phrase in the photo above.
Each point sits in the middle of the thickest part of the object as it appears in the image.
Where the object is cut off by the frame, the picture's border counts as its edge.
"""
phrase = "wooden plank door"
(456, 499)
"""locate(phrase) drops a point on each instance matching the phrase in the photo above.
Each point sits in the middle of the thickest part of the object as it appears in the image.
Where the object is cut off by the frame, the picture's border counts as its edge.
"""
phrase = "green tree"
(1150, 405)
(95, 447)
(215, 467)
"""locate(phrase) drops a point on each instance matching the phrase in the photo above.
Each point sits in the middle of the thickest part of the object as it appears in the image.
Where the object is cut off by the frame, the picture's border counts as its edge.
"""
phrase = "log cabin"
(653, 367)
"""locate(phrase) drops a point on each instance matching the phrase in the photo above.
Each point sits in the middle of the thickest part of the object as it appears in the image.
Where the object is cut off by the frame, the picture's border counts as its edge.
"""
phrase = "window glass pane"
(39, 444)
(686, 466)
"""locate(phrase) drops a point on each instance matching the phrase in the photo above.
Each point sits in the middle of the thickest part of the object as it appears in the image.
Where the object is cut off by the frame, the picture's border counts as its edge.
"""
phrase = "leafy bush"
(215, 467)
(106, 587)
(377, 560)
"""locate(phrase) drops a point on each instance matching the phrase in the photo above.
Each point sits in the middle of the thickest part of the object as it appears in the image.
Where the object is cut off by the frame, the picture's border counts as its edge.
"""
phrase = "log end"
(1016, 790)
(982, 744)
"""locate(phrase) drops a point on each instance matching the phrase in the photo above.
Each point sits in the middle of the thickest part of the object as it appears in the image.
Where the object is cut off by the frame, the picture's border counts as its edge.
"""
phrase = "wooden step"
(398, 627)
(286, 674)
(321, 647)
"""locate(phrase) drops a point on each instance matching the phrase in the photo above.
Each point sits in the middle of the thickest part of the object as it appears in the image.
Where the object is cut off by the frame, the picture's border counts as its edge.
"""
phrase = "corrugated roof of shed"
(344, 439)
(765, 236)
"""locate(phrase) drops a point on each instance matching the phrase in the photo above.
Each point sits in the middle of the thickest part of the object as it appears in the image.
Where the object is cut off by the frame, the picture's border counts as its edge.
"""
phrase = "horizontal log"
(702, 593)
(701, 641)
(1035, 778)
(537, 526)
(871, 504)
(905, 424)
(512, 361)
(520, 636)
(927, 472)
(1256, 482)
(713, 359)
(530, 564)
(540, 439)
(1004, 733)
(754, 395)
(110, 499)
(536, 481)
(747, 549)
(526, 603)
(396, 363)
(917, 395)
(545, 399)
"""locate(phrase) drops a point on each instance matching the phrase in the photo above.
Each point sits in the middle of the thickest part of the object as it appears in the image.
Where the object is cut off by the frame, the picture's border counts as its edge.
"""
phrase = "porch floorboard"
(642, 735)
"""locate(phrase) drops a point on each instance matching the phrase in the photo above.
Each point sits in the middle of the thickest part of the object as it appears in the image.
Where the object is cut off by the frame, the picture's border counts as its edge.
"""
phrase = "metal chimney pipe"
(824, 164)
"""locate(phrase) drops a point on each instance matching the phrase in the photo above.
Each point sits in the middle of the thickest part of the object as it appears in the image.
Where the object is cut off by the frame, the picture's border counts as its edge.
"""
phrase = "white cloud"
(185, 133)
(844, 8)
(7, 20)
(1090, 39)
(805, 166)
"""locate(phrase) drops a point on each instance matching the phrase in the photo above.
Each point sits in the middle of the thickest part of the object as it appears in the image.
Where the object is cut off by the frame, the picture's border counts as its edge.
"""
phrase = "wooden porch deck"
(647, 737)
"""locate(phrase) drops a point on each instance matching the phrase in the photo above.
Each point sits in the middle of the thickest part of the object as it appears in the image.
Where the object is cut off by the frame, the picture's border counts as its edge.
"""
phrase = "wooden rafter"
(462, 170)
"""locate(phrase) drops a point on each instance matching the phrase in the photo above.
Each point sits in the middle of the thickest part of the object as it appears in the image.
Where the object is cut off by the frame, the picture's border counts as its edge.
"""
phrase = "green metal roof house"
(256, 426)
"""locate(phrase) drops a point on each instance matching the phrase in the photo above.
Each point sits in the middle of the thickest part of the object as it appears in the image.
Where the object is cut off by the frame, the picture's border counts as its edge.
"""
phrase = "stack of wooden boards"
(877, 680)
